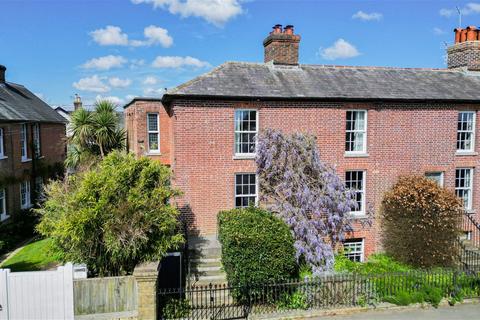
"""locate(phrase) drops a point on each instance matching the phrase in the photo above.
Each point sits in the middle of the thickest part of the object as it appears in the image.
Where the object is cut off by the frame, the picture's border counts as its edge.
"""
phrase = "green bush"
(176, 309)
(296, 300)
(376, 264)
(421, 223)
(257, 247)
(112, 216)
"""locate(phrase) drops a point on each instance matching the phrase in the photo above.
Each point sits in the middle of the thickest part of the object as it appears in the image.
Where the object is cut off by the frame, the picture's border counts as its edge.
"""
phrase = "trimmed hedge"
(257, 247)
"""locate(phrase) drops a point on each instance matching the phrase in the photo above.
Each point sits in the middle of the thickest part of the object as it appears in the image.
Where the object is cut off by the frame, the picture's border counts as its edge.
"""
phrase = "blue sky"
(125, 48)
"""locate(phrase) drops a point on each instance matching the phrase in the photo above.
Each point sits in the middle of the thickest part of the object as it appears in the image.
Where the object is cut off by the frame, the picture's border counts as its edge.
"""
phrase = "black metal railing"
(472, 229)
(326, 291)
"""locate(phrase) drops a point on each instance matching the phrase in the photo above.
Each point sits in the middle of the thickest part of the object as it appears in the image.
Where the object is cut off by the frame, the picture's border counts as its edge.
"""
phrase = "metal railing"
(472, 229)
(327, 291)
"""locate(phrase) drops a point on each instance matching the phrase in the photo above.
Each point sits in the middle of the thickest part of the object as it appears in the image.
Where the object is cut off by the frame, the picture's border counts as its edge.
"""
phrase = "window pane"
(355, 131)
(153, 141)
(245, 131)
(152, 122)
(245, 189)
(465, 131)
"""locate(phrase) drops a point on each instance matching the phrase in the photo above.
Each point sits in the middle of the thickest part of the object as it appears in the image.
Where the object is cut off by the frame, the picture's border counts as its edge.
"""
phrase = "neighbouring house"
(66, 113)
(32, 146)
(373, 123)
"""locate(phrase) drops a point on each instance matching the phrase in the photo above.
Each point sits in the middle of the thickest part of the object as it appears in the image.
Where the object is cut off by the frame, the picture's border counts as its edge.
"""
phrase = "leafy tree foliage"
(421, 222)
(112, 216)
(94, 133)
(306, 193)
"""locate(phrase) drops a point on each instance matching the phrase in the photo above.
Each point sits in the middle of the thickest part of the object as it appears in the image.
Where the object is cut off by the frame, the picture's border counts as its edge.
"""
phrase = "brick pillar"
(146, 275)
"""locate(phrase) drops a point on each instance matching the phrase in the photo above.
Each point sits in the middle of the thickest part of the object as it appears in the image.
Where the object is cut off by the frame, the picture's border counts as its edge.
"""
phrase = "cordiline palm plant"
(94, 133)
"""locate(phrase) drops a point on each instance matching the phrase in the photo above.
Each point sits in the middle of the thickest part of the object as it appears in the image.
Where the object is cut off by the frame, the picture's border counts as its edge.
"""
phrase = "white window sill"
(357, 215)
(470, 211)
(3, 157)
(4, 217)
(244, 157)
(39, 157)
(153, 153)
(466, 153)
(26, 160)
(356, 155)
(26, 207)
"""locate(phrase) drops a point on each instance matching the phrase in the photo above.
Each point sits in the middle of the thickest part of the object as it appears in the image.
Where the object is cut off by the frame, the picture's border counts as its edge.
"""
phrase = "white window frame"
(36, 141)
(360, 252)
(2, 144)
(28, 202)
(157, 132)
(24, 141)
(236, 132)
(364, 131)
(441, 174)
(363, 192)
(3, 199)
(472, 132)
(469, 204)
(244, 195)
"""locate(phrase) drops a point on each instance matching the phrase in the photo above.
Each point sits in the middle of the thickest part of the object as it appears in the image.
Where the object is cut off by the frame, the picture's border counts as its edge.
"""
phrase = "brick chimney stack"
(281, 45)
(465, 52)
(2, 73)
(77, 103)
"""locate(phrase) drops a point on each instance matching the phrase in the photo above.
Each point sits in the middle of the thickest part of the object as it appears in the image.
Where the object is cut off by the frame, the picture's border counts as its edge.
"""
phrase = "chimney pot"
(471, 33)
(2, 73)
(277, 28)
(465, 55)
(289, 29)
(77, 102)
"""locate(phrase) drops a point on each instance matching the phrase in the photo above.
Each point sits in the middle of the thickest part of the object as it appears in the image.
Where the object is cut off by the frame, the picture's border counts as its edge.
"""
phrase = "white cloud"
(217, 12)
(119, 83)
(178, 62)
(110, 36)
(438, 31)
(39, 95)
(468, 9)
(150, 80)
(136, 63)
(113, 36)
(93, 84)
(153, 92)
(105, 63)
(341, 49)
(154, 35)
(364, 16)
(113, 99)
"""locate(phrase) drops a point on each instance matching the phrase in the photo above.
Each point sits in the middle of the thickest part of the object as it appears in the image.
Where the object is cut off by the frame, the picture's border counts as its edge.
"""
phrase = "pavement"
(459, 312)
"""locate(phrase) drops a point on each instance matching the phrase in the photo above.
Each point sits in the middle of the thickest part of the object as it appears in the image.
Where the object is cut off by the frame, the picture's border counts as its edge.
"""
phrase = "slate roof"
(259, 80)
(17, 103)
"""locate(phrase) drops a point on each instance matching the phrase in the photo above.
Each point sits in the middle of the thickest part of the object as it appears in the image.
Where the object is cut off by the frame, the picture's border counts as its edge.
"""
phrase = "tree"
(306, 193)
(421, 222)
(112, 216)
(94, 133)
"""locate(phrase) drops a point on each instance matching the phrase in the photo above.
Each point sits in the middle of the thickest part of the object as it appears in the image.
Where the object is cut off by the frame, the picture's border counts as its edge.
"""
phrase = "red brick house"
(32, 146)
(373, 123)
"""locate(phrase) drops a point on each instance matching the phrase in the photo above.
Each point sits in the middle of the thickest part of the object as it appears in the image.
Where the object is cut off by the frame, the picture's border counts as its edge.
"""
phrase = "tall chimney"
(2, 73)
(77, 103)
(465, 52)
(281, 46)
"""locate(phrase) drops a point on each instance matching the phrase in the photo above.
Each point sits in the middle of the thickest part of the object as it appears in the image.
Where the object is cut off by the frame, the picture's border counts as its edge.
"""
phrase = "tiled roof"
(17, 103)
(259, 80)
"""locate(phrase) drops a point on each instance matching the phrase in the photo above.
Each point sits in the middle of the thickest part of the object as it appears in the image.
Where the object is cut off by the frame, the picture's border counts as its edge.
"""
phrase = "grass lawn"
(34, 256)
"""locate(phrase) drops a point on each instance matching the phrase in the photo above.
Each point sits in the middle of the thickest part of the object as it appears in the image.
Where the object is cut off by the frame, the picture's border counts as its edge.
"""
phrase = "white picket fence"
(37, 295)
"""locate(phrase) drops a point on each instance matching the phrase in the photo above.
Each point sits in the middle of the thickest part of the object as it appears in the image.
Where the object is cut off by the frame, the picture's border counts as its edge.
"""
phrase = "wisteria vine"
(306, 193)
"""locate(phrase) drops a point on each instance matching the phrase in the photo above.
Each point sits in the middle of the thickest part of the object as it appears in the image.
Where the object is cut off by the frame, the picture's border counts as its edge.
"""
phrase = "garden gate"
(37, 295)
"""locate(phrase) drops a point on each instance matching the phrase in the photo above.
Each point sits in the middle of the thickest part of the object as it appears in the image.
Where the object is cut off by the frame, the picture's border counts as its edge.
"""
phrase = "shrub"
(376, 264)
(421, 222)
(257, 247)
(112, 216)
(295, 300)
(176, 309)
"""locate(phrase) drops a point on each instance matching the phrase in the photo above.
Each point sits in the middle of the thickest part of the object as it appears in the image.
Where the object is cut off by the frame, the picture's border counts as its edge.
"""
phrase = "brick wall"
(464, 54)
(401, 139)
(52, 150)
(136, 126)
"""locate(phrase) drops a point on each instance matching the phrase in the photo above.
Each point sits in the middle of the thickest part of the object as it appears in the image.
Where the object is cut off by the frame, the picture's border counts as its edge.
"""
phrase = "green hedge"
(257, 247)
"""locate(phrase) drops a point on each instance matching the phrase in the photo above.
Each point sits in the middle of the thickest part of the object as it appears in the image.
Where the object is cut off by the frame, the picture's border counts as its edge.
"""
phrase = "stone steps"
(205, 262)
